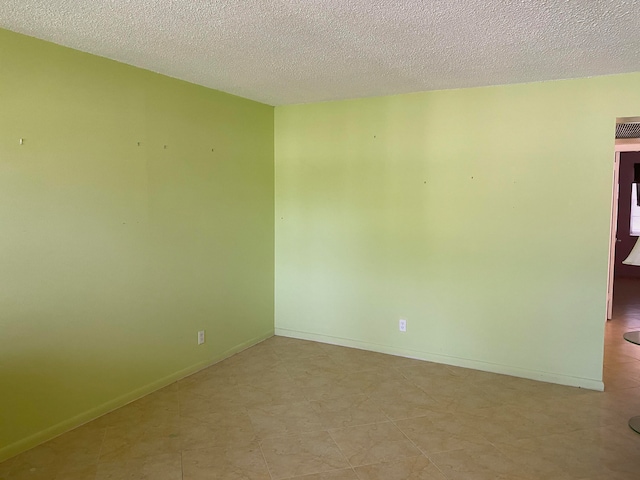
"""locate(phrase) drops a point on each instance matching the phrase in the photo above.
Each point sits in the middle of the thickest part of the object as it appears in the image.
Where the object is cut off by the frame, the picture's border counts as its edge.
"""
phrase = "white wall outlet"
(200, 337)
(402, 325)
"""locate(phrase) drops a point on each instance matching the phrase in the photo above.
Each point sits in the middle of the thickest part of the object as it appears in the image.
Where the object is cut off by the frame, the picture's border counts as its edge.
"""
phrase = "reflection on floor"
(294, 409)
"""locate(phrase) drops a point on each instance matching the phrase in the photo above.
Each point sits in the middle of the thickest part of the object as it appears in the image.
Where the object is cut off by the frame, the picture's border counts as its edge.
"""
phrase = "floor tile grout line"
(420, 450)
(264, 457)
(355, 472)
(341, 451)
(104, 438)
(429, 456)
(298, 435)
(324, 429)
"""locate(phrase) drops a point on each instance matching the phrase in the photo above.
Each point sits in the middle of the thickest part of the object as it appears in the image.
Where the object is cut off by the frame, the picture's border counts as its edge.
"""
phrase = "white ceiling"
(287, 51)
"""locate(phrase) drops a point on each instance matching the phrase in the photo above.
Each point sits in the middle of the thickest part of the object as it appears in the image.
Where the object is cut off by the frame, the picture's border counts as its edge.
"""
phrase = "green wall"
(481, 216)
(113, 254)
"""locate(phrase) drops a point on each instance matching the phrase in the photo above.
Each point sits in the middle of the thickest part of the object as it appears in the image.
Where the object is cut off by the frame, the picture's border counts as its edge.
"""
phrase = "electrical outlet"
(402, 325)
(200, 337)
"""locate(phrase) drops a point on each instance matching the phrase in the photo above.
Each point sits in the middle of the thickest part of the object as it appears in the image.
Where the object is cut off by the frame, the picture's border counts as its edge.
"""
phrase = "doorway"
(621, 363)
(623, 240)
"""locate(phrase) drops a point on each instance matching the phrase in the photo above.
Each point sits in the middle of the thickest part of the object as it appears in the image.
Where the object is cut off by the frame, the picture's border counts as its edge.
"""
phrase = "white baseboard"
(89, 415)
(568, 380)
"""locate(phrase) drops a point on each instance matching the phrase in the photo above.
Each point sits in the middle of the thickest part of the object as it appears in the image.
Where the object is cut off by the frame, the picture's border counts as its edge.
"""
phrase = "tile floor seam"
(424, 390)
(369, 397)
(264, 458)
(359, 425)
(289, 435)
(434, 452)
(319, 472)
(355, 473)
(341, 451)
(420, 450)
(104, 437)
(447, 477)
(435, 465)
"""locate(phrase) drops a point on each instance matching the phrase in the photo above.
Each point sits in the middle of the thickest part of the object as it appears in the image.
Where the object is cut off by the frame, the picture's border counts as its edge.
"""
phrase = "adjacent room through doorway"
(621, 358)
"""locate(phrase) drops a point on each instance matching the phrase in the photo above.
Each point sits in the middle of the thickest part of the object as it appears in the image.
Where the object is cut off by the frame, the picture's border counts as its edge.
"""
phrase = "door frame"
(622, 145)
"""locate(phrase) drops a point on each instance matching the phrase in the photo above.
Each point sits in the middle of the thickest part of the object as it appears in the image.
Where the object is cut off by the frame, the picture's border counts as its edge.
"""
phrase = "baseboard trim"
(89, 415)
(568, 380)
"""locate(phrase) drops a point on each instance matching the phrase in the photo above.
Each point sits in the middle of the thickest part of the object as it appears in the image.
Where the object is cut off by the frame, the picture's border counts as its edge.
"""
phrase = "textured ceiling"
(287, 51)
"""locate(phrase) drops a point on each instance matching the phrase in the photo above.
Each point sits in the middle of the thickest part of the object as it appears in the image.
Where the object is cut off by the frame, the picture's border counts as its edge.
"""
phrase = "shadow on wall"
(56, 372)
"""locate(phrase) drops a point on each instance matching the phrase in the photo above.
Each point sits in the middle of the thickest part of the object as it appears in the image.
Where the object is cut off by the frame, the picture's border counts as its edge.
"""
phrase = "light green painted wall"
(114, 255)
(479, 215)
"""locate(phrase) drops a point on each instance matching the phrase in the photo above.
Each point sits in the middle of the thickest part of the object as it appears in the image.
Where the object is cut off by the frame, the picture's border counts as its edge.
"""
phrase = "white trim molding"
(567, 380)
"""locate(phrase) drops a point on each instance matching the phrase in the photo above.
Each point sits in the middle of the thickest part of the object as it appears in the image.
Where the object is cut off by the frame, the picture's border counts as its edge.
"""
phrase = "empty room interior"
(319, 240)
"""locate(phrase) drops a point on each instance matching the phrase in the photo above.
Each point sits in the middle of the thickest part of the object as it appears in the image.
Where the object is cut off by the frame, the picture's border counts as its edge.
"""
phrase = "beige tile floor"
(294, 409)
